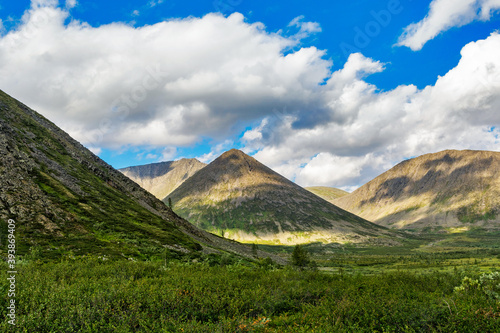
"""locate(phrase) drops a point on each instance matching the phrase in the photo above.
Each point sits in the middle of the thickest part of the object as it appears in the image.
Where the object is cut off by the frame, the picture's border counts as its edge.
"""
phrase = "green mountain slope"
(64, 199)
(327, 193)
(161, 179)
(449, 189)
(242, 199)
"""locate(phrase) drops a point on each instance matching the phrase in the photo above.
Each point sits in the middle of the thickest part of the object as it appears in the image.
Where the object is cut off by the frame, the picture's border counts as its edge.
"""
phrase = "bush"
(266, 263)
(486, 284)
(300, 256)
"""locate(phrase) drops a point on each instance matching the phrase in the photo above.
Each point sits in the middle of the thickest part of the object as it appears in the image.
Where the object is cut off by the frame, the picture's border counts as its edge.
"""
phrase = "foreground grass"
(92, 295)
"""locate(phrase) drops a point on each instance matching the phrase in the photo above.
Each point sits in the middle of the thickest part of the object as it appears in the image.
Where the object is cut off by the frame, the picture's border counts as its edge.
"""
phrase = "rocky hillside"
(161, 179)
(442, 190)
(327, 193)
(242, 199)
(65, 200)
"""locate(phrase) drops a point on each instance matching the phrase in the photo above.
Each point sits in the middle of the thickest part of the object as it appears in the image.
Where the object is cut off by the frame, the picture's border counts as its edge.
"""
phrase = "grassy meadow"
(405, 289)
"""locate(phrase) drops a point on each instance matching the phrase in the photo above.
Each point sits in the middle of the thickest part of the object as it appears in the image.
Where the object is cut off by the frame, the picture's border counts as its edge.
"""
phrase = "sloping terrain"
(327, 193)
(242, 199)
(66, 200)
(442, 190)
(161, 179)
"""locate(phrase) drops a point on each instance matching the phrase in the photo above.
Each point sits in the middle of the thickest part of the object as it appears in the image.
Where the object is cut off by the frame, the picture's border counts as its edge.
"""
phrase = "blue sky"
(338, 20)
(325, 92)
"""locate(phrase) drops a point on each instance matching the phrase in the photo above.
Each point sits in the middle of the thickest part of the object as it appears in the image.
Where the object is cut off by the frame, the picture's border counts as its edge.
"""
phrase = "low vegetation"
(222, 293)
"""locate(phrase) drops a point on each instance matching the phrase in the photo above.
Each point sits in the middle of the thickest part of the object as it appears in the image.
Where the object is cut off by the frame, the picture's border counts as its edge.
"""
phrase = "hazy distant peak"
(327, 193)
(162, 178)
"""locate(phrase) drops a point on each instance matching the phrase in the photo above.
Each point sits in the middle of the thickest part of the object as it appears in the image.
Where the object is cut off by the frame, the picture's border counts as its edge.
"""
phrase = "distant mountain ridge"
(327, 193)
(160, 179)
(441, 190)
(242, 199)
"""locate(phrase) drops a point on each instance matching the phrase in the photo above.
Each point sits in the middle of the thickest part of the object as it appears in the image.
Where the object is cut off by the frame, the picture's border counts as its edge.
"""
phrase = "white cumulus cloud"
(443, 15)
(164, 84)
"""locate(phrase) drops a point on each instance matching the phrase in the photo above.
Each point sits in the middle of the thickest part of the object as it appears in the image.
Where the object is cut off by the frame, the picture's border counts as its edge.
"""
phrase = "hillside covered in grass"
(65, 199)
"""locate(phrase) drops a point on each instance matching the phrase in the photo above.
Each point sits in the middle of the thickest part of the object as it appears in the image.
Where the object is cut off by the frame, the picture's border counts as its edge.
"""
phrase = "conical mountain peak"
(233, 156)
(235, 163)
(234, 152)
(240, 198)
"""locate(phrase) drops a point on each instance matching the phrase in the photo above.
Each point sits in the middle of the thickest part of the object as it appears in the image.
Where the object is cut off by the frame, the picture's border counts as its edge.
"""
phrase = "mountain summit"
(446, 189)
(240, 198)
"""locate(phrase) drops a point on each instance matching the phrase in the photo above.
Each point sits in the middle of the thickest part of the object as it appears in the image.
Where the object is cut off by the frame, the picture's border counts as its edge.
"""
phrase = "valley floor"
(360, 293)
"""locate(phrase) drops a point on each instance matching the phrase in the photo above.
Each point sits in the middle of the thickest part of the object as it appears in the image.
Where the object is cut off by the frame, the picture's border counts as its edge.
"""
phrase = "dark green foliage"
(92, 295)
(300, 256)
(170, 203)
(267, 263)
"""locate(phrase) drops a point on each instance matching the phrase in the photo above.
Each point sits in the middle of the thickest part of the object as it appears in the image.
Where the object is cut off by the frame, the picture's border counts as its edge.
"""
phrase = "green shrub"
(300, 256)
(487, 284)
(90, 294)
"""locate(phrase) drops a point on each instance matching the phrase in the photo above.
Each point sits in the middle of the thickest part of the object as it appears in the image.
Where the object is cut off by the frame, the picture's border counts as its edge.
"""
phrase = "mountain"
(441, 190)
(327, 193)
(161, 179)
(67, 201)
(242, 199)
